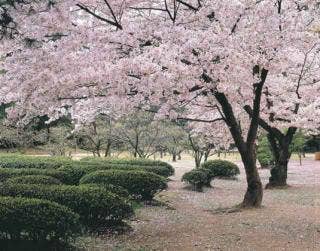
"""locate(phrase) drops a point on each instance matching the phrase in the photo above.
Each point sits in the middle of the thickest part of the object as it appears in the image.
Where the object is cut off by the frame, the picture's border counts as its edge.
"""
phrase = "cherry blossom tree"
(201, 60)
(285, 112)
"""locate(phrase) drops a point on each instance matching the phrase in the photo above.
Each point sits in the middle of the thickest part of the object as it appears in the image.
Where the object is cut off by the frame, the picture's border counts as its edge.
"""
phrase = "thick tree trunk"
(179, 156)
(254, 193)
(280, 150)
(279, 172)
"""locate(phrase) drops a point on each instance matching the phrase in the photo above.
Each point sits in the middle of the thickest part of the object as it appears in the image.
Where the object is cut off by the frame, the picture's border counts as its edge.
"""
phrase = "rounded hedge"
(34, 219)
(141, 185)
(34, 179)
(111, 188)
(64, 177)
(208, 175)
(77, 171)
(95, 205)
(221, 168)
(135, 162)
(197, 178)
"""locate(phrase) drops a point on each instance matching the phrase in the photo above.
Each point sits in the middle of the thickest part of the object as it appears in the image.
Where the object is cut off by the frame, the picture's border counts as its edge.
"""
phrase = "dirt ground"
(288, 220)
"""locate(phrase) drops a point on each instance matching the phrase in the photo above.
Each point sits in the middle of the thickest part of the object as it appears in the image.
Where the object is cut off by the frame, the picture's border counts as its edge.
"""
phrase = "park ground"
(288, 220)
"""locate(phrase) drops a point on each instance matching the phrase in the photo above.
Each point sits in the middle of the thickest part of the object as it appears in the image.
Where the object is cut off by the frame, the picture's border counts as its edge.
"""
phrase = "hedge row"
(78, 171)
(22, 161)
(141, 185)
(34, 219)
(95, 205)
(64, 177)
(135, 162)
(34, 179)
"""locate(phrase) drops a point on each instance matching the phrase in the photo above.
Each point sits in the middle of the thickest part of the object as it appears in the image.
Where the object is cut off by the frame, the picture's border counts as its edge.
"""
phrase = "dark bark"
(107, 152)
(197, 158)
(254, 193)
(207, 154)
(281, 153)
(136, 146)
(174, 157)
(280, 144)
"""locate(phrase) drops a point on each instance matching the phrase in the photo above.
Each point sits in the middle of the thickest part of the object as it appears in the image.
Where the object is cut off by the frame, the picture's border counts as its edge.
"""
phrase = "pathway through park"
(289, 219)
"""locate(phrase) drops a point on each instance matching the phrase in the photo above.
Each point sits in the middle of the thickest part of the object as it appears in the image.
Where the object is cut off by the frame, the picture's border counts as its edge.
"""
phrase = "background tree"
(173, 139)
(97, 136)
(140, 133)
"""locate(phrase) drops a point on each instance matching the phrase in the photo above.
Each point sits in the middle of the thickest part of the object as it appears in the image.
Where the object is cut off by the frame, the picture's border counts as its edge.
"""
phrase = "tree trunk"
(174, 157)
(197, 158)
(300, 158)
(281, 153)
(206, 155)
(179, 156)
(107, 152)
(278, 176)
(254, 193)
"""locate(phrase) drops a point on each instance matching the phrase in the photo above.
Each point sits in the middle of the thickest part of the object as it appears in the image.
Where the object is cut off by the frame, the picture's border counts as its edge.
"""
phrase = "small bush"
(34, 179)
(64, 177)
(141, 185)
(95, 205)
(264, 153)
(134, 162)
(34, 219)
(197, 178)
(208, 175)
(265, 160)
(221, 168)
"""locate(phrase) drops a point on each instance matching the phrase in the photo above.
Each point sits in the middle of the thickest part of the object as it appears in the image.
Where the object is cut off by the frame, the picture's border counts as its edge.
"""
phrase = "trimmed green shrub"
(141, 185)
(208, 175)
(34, 219)
(23, 161)
(64, 177)
(77, 171)
(264, 154)
(265, 160)
(111, 188)
(197, 178)
(34, 179)
(221, 168)
(95, 205)
(73, 173)
(135, 162)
